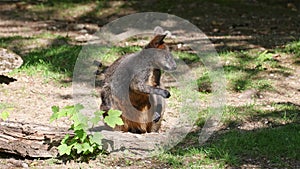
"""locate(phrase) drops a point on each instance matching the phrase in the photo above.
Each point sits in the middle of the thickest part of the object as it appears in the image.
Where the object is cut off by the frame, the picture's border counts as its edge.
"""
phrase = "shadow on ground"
(231, 25)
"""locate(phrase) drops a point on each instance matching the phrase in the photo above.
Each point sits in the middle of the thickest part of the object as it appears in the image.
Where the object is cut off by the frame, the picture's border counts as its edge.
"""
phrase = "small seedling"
(81, 146)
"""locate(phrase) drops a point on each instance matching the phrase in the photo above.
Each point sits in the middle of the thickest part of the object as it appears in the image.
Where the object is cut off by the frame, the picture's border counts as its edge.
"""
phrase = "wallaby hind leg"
(157, 107)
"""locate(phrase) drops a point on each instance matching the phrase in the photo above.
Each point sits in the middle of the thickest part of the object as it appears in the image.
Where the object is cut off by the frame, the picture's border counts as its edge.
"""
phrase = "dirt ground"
(249, 25)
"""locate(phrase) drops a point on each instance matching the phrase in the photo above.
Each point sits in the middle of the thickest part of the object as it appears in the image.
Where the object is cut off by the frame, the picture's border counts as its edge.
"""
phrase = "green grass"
(115, 52)
(271, 143)
(5, 42)
(235, 146)
(189, 158)
(293, 48)
(280, 113)
(187, 57)
(245, 70)
(242, 71)
(55, 62)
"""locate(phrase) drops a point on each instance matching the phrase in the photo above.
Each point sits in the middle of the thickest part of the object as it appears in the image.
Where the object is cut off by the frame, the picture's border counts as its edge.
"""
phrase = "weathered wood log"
(30, 140)
(41, 141)
(142, 145)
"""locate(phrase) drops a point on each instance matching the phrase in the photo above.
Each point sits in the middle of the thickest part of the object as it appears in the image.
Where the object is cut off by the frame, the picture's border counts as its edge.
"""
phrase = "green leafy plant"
(83, 146)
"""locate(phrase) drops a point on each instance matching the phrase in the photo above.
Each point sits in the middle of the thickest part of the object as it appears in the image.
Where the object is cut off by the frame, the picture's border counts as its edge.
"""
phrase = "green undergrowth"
(277, 141)
(80, 145)
(293, 48)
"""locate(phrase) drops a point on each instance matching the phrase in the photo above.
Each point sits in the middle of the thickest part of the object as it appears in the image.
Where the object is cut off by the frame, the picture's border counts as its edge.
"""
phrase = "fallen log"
(41, 141)
(30, 140)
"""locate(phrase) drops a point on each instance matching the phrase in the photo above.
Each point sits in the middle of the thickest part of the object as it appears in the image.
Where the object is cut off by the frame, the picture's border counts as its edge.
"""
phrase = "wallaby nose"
(170, 67)
(173, 66)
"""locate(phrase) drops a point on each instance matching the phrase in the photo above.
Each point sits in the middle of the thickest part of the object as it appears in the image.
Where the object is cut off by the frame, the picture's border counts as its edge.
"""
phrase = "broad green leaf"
(55, 109)
(64, 149)
(53, 117)
(60, 113)
(81, 134)
(98, 113)
(80, 120)
(91, 149)
(65, 139)
(78, 107)
(116, 113)
(80, 126)
(113, 118)
(78, 147)
(72, 142)
(95, 120)
(96, 138)
(86, 147)
(67, 111)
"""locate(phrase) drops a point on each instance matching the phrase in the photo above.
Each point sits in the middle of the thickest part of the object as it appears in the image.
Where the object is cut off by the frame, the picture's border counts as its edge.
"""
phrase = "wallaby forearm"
(141, 87)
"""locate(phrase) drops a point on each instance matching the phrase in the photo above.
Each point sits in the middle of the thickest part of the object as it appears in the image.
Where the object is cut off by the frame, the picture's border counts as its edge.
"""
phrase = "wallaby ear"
(159, 39)
(156, 41)
(158, 30)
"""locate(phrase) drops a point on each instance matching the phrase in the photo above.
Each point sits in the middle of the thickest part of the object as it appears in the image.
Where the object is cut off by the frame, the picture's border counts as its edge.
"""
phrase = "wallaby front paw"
(166, 94)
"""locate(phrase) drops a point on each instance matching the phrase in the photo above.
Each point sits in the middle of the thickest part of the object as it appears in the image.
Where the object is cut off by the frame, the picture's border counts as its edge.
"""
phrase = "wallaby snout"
(167, 62)
(170, 65)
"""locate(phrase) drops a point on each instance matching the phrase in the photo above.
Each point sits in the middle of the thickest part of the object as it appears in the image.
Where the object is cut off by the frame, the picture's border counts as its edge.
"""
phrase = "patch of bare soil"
(254, 24)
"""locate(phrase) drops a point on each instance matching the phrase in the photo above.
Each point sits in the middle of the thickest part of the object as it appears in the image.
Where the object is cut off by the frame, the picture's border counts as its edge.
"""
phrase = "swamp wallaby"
(132, 85)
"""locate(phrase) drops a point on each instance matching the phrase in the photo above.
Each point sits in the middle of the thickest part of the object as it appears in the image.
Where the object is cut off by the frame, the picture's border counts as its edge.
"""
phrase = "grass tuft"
(293, 48)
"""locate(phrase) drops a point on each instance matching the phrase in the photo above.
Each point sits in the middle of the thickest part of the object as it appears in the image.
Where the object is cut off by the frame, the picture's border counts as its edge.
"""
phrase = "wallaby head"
(163, 57)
